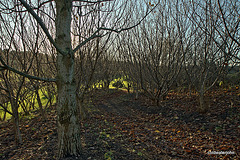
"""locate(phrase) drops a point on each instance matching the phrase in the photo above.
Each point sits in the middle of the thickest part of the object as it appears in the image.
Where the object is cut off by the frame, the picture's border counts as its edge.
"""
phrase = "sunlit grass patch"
(44, 101)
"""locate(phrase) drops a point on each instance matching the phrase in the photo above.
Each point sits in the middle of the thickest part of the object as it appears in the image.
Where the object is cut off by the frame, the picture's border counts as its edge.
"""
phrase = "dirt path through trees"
(171, 131)
(122, 128)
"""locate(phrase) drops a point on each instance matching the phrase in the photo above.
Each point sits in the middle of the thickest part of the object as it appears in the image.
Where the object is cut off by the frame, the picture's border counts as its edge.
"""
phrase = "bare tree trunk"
(129, 87)
(40, 104)
(69, 143)
(50, 95)
(190, 89)
(135, 88)
(82, 109)
(4, 116)
(203, 106)
(18, 137)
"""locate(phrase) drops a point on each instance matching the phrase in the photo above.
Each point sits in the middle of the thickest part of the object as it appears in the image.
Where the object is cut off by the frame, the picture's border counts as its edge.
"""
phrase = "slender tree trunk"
(190, 89)
(18, 137)
(203, 106)
(40, 104)
(129, 87)
(4, 116)
(136, 90)
(69, 143)
(50, 96)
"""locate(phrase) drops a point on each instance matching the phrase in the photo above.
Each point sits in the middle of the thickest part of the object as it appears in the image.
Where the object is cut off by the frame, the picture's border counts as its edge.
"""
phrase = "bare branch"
(6, 110)
(2, 68)
(225, 24)
(25, 74)
(86, 1)
(43, 3)
(87, 40)
(94, 35)
(44, 28)
(4, 89)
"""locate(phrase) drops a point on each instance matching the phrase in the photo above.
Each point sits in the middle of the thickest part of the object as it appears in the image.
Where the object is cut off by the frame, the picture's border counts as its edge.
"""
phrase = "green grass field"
(44, 101)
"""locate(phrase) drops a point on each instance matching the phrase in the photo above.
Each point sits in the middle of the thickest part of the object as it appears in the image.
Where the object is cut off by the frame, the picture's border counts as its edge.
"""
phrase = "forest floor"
(119, 127)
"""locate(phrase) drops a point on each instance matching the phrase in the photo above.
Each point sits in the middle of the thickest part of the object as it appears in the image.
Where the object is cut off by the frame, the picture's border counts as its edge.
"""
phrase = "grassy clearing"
(124, 82)
(44, 101)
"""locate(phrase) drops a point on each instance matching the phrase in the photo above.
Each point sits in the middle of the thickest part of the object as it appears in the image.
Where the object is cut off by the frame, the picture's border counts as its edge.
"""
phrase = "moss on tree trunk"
(69, 142)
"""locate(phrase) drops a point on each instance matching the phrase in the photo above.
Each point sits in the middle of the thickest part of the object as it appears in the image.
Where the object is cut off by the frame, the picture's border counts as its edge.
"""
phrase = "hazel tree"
(61, 14)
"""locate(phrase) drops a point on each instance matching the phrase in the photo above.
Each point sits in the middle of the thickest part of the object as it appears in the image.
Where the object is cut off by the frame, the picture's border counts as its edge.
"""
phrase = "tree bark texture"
(18, 137)
(69, 143)
(203, 108)
(40, 103)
